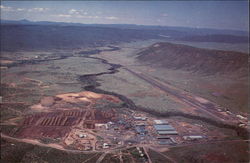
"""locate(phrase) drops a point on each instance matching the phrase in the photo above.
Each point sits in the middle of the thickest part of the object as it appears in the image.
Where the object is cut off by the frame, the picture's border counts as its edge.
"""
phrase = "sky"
(198, 14)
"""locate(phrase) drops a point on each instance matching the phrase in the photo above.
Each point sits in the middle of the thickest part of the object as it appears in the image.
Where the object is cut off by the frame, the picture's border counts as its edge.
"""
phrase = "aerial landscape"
(138, 82)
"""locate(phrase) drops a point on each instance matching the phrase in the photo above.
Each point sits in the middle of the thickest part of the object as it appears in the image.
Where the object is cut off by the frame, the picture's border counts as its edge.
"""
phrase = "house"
(165, 129)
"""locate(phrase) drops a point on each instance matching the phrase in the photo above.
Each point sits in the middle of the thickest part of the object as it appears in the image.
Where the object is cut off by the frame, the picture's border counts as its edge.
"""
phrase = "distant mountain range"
(25, 34)
(188, 30)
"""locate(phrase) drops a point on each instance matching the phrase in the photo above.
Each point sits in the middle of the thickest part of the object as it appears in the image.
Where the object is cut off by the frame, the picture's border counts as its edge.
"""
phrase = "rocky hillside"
(205, 61)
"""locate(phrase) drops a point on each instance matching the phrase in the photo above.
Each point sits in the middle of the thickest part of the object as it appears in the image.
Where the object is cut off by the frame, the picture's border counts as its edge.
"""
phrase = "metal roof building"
(164, 140)
(160, 122)
(163, 127)
(173, 132)
(193, 137)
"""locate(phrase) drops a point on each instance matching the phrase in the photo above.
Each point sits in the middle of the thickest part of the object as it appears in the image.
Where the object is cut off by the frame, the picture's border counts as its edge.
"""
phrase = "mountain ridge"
(192, 30)
(197, 60)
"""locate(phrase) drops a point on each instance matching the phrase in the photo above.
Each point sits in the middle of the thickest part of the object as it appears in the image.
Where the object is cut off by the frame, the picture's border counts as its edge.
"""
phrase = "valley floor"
(104, 107)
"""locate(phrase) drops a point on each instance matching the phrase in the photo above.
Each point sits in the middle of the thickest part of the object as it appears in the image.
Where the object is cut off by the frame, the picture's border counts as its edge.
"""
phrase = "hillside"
(208, 62)
(216, 38)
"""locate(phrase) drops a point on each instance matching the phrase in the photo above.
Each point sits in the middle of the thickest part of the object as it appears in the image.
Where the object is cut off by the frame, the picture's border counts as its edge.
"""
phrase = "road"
(170, 160)
(102, 157)
(35, 142)
(146, 152)
(207, 108)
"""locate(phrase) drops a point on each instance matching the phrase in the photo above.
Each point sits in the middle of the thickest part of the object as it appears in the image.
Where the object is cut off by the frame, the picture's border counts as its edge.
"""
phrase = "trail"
(90, 158)
(146, 152)
(59, 147)
(101, 157)
(168, 158)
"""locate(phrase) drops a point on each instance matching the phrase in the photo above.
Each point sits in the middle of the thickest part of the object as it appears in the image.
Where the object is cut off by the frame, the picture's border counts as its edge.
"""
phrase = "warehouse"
(167, 132)
(165, 129)
(165, 140)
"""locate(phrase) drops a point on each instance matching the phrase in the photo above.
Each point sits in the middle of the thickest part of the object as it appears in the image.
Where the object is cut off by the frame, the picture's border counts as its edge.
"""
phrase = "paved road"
(208, 108)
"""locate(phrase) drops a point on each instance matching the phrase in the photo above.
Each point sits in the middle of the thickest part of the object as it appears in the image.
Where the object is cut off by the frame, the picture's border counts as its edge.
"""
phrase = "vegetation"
(217, 152)
(22, 152)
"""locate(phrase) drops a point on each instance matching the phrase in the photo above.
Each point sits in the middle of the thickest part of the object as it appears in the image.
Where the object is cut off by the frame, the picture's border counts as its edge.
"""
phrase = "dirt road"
(36, 142)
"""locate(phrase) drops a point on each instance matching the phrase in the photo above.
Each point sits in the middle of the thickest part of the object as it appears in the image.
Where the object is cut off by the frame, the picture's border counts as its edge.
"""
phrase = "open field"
(212, 152)
(26, 152)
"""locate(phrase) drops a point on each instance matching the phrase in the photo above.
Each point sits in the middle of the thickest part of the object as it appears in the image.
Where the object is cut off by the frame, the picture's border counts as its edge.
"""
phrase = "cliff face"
(207, 62)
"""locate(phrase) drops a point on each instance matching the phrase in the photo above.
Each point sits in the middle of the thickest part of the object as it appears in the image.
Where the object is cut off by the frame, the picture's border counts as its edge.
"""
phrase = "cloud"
(6, 8)
(159, 20)
(82, 14)
(95, 17)
(64, 16)
(111, 18)
(77, 12)
(85, 13)
(164, 14)
(37, 9)
(73, 11)
(20, 9)
(87, 16)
